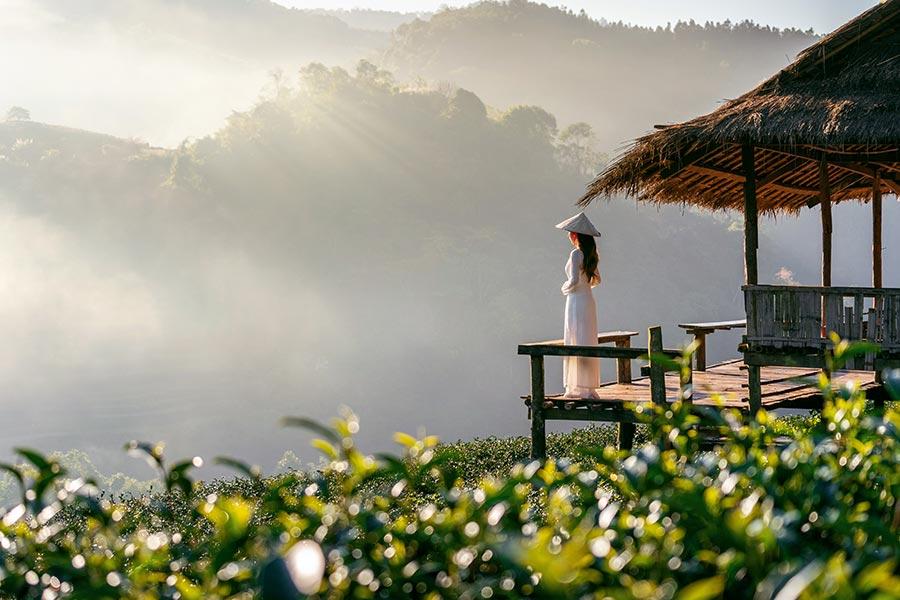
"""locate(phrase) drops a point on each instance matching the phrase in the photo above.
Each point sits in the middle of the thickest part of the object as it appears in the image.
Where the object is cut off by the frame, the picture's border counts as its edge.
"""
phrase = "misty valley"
(489, 299)
(359, 236)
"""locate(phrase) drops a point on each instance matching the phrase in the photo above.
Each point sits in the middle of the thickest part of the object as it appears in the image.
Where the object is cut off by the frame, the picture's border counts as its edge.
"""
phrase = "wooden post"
(686, 381)
(751, 233)
(825, 201)
(754, 384)
(657, 370)
(876, 233)
(700, 352)
(538, 431)
(623, 364)
(626, 436)
(625, 439)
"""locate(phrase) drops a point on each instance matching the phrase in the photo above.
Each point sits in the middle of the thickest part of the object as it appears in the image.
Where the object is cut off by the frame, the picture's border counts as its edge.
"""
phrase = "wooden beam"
(839, 157)
(825, 200)
(876, 232)
(688, 159)
(560, 349)
(793, 189)
(608, 415)
(870, 172)
(888, 167)
(751, 217)
(788, 167)
(784, 358)
(834, 157)
(716, 172)
(739, 178)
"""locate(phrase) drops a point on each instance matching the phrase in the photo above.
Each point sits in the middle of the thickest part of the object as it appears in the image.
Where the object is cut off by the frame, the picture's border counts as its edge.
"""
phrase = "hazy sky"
(821, 15)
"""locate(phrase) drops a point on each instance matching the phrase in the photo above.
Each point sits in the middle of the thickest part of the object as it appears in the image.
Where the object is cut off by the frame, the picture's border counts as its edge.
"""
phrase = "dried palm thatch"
(838, 102)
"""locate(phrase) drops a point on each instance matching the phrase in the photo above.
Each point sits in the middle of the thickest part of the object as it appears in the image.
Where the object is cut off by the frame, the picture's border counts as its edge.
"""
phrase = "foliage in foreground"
(818, 518)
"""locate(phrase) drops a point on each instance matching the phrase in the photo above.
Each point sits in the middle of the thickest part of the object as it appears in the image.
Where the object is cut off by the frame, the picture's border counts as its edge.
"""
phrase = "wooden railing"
(803, 316)
(623, 352)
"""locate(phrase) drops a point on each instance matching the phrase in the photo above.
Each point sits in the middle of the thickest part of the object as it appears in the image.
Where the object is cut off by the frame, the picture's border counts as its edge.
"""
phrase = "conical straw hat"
(579, 224)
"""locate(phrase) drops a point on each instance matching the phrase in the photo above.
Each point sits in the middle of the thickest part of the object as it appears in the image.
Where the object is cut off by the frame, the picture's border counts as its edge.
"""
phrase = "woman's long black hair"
(589, 249)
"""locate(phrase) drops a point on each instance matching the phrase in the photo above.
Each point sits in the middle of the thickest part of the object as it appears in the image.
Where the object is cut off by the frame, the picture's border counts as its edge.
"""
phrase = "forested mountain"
(164, 70)
(260, 31)
(620, 78)
(160, 70)
(375, 20)
(346, 239)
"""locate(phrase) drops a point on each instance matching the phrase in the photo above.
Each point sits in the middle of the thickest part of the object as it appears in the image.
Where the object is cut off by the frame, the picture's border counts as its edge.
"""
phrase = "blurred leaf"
(703, 589)
(325, 448)
(252, 472)
(891, 379)
(304, 423)
(404, 439)
(35, 458)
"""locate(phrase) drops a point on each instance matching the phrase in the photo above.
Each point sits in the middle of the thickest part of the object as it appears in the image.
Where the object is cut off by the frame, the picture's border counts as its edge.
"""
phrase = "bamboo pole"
(825, 197)
(877, 280)
(751, 232)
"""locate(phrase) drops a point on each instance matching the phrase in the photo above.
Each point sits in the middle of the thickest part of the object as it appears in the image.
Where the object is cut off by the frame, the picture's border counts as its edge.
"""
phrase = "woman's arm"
(573, 268)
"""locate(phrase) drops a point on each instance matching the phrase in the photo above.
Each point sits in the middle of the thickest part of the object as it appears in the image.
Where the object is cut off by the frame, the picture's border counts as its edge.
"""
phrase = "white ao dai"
(581, 375)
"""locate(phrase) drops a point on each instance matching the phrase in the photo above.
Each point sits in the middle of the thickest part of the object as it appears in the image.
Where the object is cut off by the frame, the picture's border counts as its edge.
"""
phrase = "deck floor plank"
(724, 383)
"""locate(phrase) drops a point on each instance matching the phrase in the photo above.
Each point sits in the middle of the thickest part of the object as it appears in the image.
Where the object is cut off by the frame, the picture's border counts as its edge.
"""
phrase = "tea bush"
(751, 518)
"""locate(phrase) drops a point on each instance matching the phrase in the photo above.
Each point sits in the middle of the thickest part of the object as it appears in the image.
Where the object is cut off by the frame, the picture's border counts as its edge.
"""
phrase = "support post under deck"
(625, 437)
(754, 385)
(538, 430)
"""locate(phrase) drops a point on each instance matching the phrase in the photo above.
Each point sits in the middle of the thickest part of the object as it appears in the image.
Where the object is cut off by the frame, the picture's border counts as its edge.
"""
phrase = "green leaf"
(253, 472)
(304, 423)
(404, 439)
(35, 458)
(325, 448)
(703, 589)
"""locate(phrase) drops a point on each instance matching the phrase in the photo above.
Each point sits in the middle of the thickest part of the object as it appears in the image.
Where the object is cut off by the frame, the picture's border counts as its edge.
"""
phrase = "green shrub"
(751, 518)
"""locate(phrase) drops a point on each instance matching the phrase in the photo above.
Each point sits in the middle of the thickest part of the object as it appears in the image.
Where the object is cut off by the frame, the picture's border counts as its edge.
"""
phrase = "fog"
(158, 70)
(352, 236)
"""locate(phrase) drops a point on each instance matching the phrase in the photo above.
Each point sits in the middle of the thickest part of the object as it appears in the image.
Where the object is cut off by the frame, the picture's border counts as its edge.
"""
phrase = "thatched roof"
(839, 101)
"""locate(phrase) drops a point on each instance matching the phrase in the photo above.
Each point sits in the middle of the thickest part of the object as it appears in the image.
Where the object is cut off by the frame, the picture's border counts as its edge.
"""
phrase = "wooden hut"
(825, 129)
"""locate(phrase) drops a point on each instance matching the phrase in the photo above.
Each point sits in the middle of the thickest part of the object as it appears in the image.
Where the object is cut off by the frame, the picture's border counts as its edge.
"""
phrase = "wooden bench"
(701, 330)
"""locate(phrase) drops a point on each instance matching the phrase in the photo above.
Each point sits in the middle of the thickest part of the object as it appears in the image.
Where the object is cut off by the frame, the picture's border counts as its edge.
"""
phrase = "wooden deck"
(782, 387)
(754, 382)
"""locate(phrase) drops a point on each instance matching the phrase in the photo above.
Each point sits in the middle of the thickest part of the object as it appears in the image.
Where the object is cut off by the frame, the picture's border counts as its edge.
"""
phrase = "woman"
(581, 375)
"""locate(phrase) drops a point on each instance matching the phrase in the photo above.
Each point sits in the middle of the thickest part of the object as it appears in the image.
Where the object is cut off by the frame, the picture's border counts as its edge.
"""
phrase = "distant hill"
(620, 78)
(374, 20)
(162, 70)
(254, 30)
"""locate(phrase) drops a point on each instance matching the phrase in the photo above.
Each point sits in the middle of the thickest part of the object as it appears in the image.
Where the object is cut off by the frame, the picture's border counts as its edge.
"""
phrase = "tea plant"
(751, 518)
